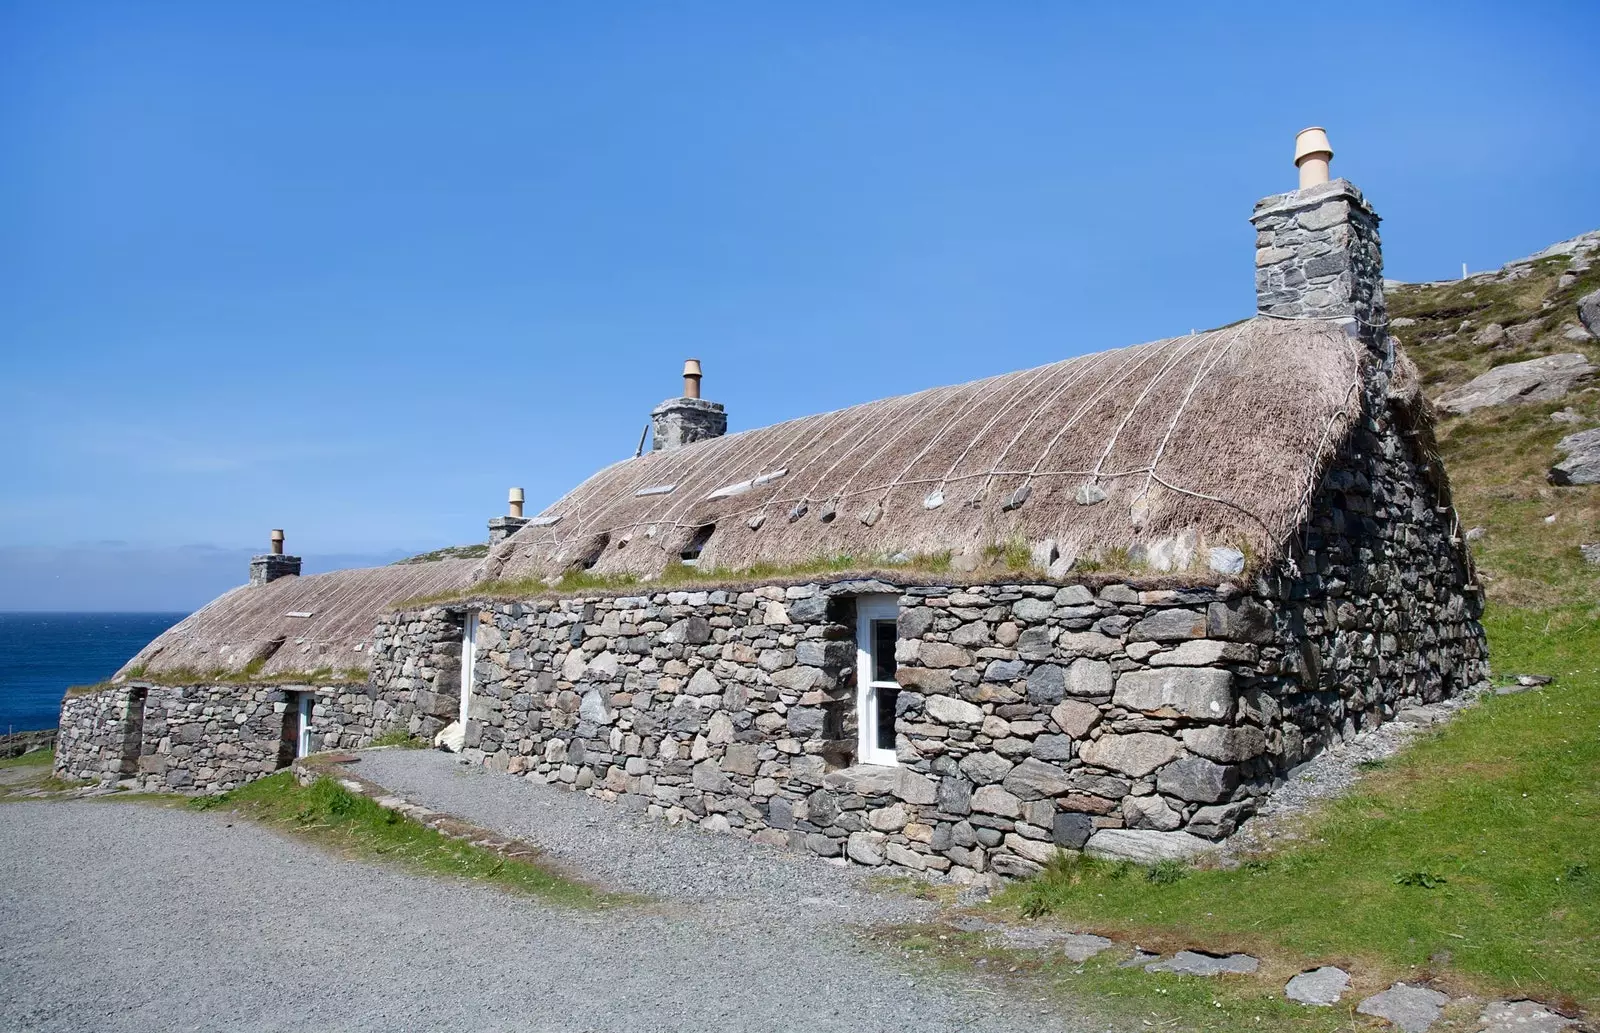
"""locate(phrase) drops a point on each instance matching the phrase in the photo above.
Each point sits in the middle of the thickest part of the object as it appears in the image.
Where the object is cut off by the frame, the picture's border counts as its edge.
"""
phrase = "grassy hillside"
(1497, 457)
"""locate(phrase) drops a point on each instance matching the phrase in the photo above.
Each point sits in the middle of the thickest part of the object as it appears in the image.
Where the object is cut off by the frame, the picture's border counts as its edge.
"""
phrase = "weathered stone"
(703, 683)
(1524, 1016)
(1149, 812)
(709, 778)
(1169, 626)
(1228, 744)
(1242, 620)
(1004, 670)
(742, 759)
(984, 768)
(1194, 963)
(1198, 779)
(1202, 693)
(952, 711)
(914, 788)
(1072, 830)
(1075, 717)
(943, 654)
(1037, 851)
(1219, 821)
(1047, 684)
(1089, 678)
(1412, 1008)
(1204, 653)
(1052, 747)
(1136, 754)
(1087, 643)
(1034, 779)
(1320, 987)
(991, 799)
(955, 796)
(1544, 379)
(864, 848)
(1145, 846)
(1582, 462)
(888, 819)
(594, 709)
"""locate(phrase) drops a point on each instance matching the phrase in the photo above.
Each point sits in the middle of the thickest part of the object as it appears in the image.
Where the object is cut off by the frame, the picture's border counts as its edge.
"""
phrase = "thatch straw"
(250, 629)
(1218, 435)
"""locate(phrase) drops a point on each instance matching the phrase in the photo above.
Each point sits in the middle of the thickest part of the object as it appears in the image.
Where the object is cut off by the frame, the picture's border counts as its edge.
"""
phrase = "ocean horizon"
(43, 653)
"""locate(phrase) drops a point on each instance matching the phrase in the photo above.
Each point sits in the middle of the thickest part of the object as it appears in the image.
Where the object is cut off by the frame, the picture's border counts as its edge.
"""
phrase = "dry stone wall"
(1032, 716)
(199, 738)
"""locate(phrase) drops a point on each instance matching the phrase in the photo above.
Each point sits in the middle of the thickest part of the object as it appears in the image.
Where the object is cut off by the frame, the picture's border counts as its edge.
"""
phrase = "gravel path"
(120, 917)
(631, 851)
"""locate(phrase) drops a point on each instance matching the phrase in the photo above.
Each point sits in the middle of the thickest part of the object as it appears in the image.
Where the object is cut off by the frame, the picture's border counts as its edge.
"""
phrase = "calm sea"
(43, 653)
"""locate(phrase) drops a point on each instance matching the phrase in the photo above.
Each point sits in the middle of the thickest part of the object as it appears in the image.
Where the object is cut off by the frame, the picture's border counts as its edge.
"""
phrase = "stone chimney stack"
(690, 418)
(503, 527)
(273, 565)
(1318, 255)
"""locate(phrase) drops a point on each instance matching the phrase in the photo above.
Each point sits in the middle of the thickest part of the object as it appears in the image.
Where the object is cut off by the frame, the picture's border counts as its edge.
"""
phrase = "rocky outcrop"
(1582, 462)
(1544, 379)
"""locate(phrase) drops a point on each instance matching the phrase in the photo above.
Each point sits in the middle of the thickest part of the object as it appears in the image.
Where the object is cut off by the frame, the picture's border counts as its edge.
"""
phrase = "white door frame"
(469, 662)
(307, 703)
(871, 608)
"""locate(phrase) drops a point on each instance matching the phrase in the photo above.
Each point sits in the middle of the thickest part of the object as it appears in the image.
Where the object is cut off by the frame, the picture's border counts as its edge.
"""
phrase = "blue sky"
(353, 270)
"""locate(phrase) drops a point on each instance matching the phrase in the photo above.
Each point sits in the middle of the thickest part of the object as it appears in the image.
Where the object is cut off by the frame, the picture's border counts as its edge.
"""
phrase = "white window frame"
(871, 608)
(306, 704)
(469, 663)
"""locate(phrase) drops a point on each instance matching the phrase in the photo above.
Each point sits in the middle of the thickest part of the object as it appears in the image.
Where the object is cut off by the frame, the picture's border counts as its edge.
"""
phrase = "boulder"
(1582, 462)
(984, 768)
(1544, 379)
(1589, 311)
(1072, 830)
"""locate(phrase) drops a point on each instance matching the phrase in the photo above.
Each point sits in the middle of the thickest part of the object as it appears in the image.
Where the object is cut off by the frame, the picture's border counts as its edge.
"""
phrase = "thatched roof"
(1211, 439)
(294, 625)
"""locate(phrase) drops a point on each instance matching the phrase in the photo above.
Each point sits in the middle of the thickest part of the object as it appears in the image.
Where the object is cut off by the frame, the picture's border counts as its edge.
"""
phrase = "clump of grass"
(1487, 814)
(330, 815)
(402, 738)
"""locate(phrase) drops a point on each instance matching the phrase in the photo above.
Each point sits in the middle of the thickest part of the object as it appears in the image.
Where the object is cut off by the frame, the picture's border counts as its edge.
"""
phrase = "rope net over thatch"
(1212, 439)
(294, 625)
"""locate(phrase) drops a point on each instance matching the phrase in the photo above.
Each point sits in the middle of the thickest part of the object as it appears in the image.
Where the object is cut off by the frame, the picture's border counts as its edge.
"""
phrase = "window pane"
(883, 636)
(886, 699)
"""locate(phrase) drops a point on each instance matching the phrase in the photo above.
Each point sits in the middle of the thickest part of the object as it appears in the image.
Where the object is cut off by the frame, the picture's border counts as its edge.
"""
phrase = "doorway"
(876, 688)
(298, 710)
(469, 663)
(133, 732)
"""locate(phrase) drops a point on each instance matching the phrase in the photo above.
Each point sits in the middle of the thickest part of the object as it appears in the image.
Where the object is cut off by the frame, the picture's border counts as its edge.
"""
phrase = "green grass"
(1474, 856)
(333, 817)
(36, 759)
(1144, 1000)
(402, 738)
(1497, 457)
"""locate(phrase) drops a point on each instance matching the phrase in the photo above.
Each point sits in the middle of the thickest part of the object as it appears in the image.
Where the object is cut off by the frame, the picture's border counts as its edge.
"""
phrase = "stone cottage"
(1105, 603)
